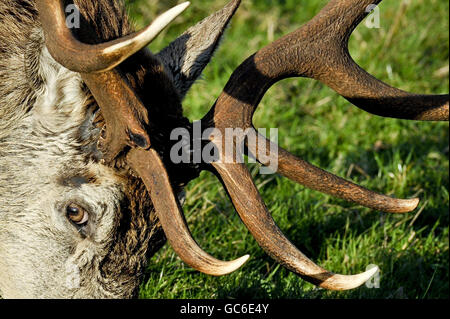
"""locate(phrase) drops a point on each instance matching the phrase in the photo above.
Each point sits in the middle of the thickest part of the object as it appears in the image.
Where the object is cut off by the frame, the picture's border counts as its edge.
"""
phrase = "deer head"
(87, 181)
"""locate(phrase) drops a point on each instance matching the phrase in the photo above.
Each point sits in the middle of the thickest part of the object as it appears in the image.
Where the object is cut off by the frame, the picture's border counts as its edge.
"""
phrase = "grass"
(398, 158)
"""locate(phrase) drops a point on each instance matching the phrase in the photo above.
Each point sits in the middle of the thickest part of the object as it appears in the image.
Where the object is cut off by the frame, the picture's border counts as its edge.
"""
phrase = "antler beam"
(258, 220)
(318, 50)
(127, 119)
(151, 169)
(316, 178)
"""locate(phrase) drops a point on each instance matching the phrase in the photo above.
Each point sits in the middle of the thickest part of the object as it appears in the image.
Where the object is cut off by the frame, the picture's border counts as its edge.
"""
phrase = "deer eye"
(77, 214)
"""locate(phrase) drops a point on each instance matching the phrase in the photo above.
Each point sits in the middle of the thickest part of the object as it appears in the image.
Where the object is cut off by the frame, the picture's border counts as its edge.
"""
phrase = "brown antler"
(152, 171)
(85, 58)
(124, 114)
(126, 119)
(315, 178)
(318, 50)
(259, 222)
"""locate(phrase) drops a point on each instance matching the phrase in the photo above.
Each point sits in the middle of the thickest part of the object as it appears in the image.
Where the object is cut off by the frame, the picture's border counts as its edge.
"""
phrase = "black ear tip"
(186, 57)
(139, 140)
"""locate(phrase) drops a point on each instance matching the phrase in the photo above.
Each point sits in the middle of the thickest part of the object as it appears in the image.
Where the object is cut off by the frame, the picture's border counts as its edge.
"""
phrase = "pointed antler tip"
(407, 206)
(232, 266)
(348, 282)
(183, 6)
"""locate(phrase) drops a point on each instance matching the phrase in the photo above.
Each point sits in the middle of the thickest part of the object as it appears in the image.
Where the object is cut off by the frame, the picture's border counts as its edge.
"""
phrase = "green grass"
(409, 51)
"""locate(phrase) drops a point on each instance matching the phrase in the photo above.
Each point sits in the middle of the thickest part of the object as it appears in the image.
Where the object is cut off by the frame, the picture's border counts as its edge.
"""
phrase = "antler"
(66, 49)
(315, 178)
(152, 171)
(318, 50)
(127, 118)
(125, 115)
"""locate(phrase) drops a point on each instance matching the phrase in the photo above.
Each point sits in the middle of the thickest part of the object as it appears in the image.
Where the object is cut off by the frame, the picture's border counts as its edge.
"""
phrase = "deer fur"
(48, 159)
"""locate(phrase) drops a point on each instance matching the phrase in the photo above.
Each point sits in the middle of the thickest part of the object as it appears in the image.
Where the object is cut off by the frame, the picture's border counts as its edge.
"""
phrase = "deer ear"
(186, 57)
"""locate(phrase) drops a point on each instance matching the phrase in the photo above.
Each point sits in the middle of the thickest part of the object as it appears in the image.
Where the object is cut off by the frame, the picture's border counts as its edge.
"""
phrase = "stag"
(86, 178)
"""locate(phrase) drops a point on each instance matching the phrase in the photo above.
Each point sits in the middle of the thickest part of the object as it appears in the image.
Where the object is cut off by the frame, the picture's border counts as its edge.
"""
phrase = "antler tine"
(319, 50)
(149, 166)
(348, 79)
(260, 223)
(125, 116)
(84, 58)
(315, 178)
